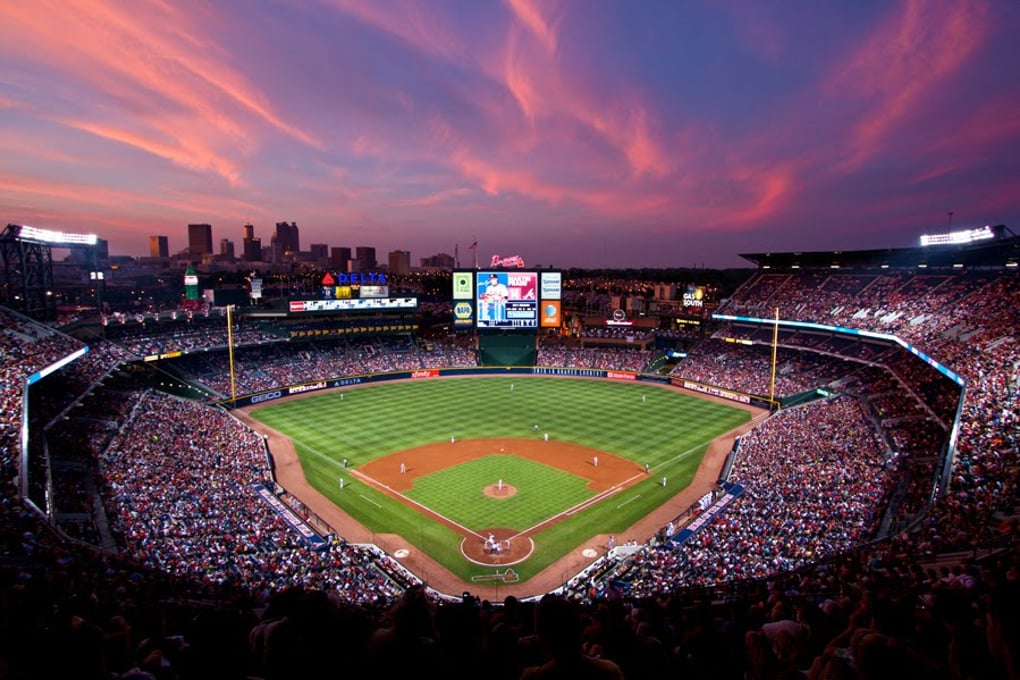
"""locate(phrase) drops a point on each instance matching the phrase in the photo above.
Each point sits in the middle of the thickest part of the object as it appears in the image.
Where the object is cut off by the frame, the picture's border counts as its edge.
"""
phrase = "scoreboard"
(506, 299)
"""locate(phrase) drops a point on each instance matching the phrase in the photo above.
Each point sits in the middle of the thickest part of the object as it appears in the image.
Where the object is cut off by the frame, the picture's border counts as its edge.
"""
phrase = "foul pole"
(775, 344)
(230, 349)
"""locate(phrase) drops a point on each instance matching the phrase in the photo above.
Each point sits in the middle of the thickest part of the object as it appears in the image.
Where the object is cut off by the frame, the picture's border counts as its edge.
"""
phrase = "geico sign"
(266, 397)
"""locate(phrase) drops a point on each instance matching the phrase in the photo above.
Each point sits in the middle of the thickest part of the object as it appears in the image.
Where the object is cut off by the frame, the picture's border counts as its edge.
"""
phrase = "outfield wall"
(430, 373)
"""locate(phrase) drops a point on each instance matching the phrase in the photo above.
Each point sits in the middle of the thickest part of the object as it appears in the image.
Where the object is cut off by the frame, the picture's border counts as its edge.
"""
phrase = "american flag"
(473, 246)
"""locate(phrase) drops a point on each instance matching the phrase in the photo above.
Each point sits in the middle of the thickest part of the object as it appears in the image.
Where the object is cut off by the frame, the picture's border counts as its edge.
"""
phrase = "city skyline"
(572, 134)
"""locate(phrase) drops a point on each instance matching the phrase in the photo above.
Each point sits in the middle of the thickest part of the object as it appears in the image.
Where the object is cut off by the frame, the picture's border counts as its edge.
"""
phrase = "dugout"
(507, 349)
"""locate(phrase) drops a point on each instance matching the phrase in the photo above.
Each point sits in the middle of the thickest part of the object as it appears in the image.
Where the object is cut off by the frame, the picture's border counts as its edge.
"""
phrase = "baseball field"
(487, 473)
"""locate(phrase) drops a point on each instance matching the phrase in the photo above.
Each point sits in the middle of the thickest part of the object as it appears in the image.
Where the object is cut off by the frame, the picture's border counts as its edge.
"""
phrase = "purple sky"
(603, 133)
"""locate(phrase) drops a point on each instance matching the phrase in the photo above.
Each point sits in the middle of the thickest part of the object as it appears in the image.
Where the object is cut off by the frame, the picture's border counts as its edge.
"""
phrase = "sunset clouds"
(572, 132)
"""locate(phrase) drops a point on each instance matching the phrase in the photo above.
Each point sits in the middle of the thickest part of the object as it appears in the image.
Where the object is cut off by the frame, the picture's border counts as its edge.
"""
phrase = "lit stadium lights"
(958, 237)
(56, 237)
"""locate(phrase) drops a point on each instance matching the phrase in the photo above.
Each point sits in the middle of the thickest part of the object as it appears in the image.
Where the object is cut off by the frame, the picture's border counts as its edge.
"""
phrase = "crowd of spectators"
(814, 479)
(266, 367)
(153, 337)
(775, 588)
(747, 368)
(604, 358)
(179, 484)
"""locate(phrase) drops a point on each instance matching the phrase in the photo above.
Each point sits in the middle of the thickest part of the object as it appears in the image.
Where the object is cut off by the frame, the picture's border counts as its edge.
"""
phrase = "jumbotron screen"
(508, 299)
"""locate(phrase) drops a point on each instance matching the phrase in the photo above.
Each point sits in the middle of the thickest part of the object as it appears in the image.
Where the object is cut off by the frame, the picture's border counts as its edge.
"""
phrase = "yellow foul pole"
(230, 349)
(775, 344)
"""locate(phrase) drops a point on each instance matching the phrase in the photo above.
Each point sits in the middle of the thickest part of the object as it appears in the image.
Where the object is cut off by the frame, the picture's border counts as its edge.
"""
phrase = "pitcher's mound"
(497, 491)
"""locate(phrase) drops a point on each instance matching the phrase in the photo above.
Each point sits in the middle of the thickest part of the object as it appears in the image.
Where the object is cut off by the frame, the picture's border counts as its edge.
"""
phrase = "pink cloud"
(150, 63)
(32, 190)
(529, 14)
(188, 153)
(413, 23)
(900, 68)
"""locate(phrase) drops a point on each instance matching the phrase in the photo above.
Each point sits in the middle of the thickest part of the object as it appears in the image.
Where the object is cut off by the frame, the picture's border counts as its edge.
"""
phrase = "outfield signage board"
(353, 305)
(552, 285)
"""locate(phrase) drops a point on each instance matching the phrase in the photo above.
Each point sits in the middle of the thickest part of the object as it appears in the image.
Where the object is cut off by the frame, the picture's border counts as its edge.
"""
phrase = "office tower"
(365, 256)
(319, 251)
(227, 248)
(400, 262)
(438, 262)
(251, 247)
(339, 257)
(159, 246)
(199, 240)
(286, 238)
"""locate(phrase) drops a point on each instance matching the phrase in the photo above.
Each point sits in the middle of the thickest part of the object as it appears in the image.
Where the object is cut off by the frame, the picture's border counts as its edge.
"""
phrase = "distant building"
(227, 248)
(438, 262)
(251, 247)
(339, 258)
(286, 238)
(199, 241)
(366, 259)
(319, 253)
(399, 262)
(159, 246)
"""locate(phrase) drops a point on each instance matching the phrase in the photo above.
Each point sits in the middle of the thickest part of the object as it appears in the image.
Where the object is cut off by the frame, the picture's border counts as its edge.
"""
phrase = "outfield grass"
(667, 430)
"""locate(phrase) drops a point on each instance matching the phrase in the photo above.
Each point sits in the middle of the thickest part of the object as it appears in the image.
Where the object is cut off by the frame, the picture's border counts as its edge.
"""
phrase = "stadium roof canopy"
(1001, 251)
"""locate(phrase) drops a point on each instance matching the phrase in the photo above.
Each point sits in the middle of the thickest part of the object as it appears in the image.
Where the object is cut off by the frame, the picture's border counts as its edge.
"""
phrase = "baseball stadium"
(726, 476)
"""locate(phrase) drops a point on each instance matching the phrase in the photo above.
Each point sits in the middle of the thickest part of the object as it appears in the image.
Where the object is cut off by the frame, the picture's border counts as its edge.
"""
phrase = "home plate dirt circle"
(497, 546)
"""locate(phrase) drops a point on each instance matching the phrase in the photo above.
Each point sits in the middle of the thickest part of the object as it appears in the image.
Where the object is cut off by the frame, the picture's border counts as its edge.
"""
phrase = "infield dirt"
(385, 474)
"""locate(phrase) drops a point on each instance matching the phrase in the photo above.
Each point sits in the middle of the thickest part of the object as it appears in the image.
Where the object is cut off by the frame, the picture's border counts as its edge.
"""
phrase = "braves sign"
(511, 261)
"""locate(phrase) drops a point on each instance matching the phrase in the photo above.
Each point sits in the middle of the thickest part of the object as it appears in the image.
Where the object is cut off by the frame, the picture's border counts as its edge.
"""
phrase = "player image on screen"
(507, 299)
(493, 296)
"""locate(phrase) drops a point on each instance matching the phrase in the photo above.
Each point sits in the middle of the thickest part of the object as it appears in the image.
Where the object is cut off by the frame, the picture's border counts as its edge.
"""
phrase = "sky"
(571, 133)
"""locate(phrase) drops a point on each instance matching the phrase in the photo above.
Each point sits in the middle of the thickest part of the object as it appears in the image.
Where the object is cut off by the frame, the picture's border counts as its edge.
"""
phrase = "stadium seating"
(199, 579)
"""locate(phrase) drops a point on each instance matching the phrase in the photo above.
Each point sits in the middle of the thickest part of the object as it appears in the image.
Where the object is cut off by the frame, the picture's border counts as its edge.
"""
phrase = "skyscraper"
(339, 257)
(365, 256)
(251, 247)
(199, 240)
(400, 262)
(286, 237)
(159, 246)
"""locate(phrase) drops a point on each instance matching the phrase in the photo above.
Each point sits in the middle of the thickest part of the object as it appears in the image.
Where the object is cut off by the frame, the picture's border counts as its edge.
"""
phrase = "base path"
(496, 549)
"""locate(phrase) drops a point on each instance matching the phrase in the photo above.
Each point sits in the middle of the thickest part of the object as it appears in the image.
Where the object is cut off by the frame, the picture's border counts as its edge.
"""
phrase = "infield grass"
(666, 429)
